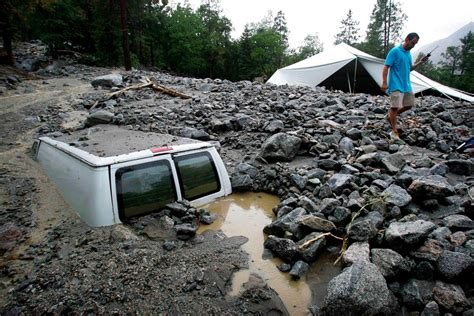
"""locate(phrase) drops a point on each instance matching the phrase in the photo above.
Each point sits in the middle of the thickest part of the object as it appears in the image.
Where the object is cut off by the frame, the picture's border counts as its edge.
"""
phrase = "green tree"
(386, 24)
(280, 27)
(349, 30)
(311, 46)
(451, 59)
(216, 37)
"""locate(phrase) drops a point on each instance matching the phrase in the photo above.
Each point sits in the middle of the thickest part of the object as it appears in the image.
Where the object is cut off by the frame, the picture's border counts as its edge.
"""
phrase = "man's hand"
(384, 87)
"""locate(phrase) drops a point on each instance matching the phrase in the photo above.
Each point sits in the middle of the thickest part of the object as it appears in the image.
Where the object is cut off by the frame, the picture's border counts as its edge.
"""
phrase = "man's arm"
(384, 78)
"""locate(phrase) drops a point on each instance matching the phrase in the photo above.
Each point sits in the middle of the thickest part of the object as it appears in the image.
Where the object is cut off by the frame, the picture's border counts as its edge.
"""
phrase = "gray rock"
(274, 126)
(160, 228)
(110, 80)
(431, 309)
(341, 215)
(280, 147)
(177, 209)
(346, 145)
(283, 248)
(309, 252)
(359, 289)
(453, 264)
(328, 205)
(389, 262)
(439, 169)
(461, 167)
(193, 133)
(99, 117)
(394, 162)
(241, 182)
(328, 164)
(339, 181)
(308, 204)
(408, 233)
(431, 250)
(451, 297)
(185, 231)
(286, 223)
(299, 269)
(299, 181)
(410, 295)
(461, 222)
(397, 195)
(354, 133)
(316, 223)
(430, 187)
(362, 229)
(357, 251)
(245, 168)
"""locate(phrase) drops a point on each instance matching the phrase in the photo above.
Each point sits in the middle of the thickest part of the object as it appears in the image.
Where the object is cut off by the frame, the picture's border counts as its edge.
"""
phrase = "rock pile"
(409, 207)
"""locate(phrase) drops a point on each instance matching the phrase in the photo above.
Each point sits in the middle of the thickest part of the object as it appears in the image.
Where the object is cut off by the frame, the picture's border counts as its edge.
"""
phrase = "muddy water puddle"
(245, 214)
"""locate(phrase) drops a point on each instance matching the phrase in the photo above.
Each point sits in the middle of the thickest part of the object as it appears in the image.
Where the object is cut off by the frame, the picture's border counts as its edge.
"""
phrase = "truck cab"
(108, 173)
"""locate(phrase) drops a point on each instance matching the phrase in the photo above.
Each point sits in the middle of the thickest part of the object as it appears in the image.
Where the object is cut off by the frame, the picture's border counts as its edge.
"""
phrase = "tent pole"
(349, 81)
(355, 73)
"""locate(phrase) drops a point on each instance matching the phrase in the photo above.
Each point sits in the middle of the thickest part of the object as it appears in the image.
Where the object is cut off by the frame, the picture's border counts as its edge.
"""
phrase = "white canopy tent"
(345, 68)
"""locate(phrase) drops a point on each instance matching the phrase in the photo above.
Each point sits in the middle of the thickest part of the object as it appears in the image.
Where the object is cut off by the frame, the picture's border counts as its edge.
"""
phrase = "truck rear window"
(197, 174)
(144, 188)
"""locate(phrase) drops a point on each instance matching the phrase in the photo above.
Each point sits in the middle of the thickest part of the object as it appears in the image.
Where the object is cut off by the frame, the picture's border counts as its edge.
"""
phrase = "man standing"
(399, 86)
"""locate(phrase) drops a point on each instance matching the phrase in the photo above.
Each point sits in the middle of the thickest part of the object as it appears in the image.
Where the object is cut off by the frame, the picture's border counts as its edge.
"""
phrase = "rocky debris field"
(401, 214)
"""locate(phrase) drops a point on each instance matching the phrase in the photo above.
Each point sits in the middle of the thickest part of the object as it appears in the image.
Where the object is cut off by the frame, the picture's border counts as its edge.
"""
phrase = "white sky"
(431, 19)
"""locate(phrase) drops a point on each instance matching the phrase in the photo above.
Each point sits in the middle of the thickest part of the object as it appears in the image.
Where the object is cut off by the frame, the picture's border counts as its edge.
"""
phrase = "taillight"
(156, 150)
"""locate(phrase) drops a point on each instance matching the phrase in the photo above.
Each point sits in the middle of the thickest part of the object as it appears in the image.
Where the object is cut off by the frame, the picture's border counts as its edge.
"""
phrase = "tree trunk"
(7, 33)
(123, 22)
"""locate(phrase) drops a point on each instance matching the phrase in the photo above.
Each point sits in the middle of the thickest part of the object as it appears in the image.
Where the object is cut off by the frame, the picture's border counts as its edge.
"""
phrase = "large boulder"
(359, 289)
(99, 117)
(280, 147)
(454, 264)
(107, 81)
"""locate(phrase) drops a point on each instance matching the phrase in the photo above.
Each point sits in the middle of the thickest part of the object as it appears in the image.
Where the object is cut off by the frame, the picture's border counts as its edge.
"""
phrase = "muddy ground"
(53, 263)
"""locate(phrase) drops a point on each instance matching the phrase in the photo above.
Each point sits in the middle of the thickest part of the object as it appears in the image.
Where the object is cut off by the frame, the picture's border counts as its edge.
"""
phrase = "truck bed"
(112, 140)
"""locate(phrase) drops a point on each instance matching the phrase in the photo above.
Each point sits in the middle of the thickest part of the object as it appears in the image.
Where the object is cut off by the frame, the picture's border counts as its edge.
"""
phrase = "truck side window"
(197, 174)
(144, 188)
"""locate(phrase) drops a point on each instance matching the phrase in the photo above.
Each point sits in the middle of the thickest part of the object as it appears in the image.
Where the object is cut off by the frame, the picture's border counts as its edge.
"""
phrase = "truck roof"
(108, 144)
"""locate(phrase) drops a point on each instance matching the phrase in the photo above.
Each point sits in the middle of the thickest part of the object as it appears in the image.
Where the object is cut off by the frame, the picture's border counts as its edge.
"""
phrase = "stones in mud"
(286, 224)
(316, 223)
(310, 247)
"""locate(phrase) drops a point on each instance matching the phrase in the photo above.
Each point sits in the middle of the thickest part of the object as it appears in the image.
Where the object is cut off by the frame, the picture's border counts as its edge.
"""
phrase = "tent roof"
(315, 69)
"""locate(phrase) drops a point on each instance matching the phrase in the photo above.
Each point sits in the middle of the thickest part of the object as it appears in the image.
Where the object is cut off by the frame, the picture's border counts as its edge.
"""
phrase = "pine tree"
(349, 33)
(386, 24)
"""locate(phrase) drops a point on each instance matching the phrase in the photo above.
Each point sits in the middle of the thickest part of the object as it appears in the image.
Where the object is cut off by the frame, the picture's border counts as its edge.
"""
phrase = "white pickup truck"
(108, 174)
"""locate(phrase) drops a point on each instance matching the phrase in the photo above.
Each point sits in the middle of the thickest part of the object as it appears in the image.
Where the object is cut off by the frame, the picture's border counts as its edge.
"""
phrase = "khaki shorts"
(398, 99)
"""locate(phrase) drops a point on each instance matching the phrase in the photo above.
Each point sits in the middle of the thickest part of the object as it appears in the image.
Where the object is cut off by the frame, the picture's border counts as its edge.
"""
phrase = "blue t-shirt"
(399, 60)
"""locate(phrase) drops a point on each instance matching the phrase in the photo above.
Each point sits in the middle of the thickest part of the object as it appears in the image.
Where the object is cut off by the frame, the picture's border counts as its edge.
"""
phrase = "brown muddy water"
(245, 214)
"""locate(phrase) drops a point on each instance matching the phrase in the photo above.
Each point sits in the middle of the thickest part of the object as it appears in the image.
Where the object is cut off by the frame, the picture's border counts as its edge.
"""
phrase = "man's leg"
(408, 102)
(396, 101)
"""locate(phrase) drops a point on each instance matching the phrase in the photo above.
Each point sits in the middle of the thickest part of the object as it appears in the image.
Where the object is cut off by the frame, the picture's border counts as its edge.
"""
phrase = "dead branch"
(163, 89)
(309, 242)
(137, 86)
